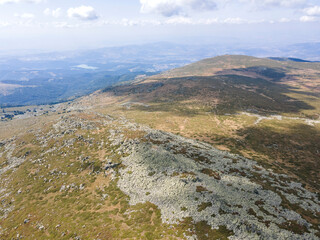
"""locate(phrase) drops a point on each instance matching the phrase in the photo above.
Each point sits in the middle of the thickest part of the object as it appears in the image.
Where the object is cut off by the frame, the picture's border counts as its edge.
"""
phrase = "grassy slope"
(43, 209)
(203, 101)
(68, 214)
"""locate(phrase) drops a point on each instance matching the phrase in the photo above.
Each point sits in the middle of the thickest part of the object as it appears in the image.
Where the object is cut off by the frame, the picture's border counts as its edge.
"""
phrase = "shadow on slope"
(266, 73)
(220, 94)
(294, 148)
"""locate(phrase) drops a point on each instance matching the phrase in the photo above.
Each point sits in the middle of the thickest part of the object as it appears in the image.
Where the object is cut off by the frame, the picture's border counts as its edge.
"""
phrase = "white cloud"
(20, 1)
(276, 3)
(4, 24)
(175, 20)
(170, 8)
(202, 5)
(54, 12)
(190, 21)
(127, 22)
(209, 21)
(182, 20)
(307, 19)
(179, 20)
(234, 20)
(24, 15)
(312, 11)
(284, 20)
(63, 25)
(83, 13)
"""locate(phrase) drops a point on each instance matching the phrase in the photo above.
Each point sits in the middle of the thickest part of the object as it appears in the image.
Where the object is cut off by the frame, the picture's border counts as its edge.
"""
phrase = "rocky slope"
(186, 180)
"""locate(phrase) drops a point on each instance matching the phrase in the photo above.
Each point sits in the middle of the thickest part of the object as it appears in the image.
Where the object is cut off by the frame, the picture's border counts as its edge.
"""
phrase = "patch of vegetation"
(293, 226)
(203, 206)
(211, 173)
(294, 147)
(201, 189)
(205, 232)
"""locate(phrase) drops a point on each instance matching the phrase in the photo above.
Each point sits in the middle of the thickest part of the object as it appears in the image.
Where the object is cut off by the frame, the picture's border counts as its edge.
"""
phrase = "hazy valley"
(54, 77)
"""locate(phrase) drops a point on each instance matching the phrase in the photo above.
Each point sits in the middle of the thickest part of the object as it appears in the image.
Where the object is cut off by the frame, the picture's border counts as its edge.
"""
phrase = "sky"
(82, 24)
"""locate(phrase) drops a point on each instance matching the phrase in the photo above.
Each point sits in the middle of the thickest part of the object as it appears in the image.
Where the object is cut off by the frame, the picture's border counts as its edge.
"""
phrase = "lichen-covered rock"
(186, 178)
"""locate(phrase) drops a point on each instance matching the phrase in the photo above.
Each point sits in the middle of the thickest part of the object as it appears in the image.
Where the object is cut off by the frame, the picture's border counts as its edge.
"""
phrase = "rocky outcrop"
(186, 178)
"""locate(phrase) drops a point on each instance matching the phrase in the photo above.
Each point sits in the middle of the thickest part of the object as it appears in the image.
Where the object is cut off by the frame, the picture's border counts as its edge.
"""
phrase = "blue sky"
(81, 24)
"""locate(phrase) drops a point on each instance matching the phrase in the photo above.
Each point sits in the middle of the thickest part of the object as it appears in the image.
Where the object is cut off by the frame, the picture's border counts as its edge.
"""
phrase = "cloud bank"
(307, 19)
(85, 13)
(169, 8)
(312, 14)
(19, 1)
(276, 3)
(312, 11)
